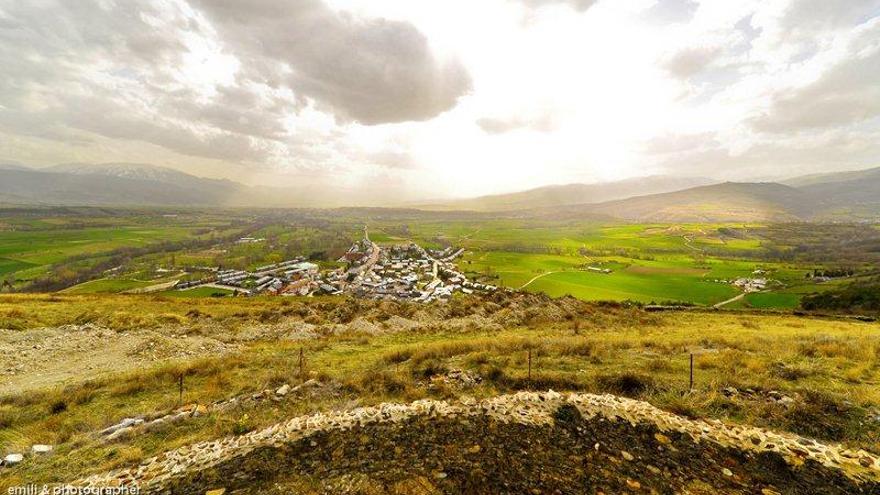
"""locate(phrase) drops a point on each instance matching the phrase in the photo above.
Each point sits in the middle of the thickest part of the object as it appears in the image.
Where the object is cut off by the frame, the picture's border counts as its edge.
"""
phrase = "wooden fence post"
(530, 368)
(691, 388)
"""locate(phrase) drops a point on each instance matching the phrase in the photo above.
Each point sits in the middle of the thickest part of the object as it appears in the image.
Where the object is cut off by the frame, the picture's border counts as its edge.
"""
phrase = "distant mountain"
(132, 184)
(53, 188)
(572, 194)
(730, 201)
(138, 171)
(832, 177)
(844, 196)
(198, 186)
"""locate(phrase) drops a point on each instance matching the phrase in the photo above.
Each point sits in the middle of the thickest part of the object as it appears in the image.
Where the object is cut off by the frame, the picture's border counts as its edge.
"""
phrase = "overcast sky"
(437, 98)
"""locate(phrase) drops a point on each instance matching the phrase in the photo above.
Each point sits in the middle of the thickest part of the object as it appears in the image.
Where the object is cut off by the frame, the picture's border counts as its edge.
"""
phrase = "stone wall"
(522, 443)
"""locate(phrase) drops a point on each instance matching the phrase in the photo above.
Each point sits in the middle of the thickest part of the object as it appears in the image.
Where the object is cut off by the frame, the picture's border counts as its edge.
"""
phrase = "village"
(402, 272)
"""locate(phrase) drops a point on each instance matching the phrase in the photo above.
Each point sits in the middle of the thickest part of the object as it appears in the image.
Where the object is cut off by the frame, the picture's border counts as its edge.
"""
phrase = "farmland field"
(660, 263)
(646, 263)
(197, 292)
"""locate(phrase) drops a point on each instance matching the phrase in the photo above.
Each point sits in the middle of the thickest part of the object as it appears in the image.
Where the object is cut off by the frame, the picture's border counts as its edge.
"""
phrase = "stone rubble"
(773, 396)
(36, 450)
(42, 449)
(12, 459)
(159, 473)
(129, 427)
(457, 378)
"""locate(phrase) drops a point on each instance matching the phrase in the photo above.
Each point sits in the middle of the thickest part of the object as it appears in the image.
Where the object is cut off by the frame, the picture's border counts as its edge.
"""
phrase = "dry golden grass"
(832, 367)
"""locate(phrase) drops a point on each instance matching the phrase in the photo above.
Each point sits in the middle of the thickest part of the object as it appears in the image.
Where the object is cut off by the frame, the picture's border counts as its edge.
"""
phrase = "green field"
(107, 286)
(648, 263)
(687, 263)
(197, 292)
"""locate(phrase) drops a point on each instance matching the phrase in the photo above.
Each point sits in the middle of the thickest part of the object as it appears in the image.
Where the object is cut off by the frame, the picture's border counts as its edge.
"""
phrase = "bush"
(57, 406)
(824, 416)
(860, 297)
(242, 425)
(626, 384)
(429, 368)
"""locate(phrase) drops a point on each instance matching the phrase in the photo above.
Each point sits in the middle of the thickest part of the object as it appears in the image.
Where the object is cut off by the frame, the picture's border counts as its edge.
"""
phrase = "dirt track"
(46, 357)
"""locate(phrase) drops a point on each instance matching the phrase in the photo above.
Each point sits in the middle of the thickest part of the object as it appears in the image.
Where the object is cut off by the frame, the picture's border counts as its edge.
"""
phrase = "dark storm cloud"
(374, 71)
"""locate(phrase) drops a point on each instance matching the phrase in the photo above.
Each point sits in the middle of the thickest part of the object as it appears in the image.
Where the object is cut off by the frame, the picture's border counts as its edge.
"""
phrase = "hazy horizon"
(420, 101)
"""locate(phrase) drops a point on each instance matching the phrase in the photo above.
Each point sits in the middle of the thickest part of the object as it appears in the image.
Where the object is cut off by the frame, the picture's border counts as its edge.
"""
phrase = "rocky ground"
(45, 357)
(241, 371)
(522, 443)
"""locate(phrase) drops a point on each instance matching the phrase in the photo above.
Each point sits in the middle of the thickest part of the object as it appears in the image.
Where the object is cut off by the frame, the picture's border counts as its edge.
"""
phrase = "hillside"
(133, 184)
(843, 196)
(471, 447)
(854, 199)
(46, 187)
(731, 201)
(832, 177)
(572, 194)
(206, 394)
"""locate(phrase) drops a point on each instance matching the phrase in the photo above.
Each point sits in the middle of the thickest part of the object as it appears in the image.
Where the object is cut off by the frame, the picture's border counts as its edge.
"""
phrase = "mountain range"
(843, 196)
(135, 184)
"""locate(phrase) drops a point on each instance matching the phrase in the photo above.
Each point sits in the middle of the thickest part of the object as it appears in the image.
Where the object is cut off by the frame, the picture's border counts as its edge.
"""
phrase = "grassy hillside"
(366, 352)
(572, 194)
(728, 202)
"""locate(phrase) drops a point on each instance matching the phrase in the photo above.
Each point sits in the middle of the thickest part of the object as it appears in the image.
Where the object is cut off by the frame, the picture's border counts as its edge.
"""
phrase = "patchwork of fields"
(660, 263)
(647, 263)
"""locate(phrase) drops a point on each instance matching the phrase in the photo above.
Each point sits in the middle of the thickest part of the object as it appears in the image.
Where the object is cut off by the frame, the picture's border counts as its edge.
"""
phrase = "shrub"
(627, 384)
(57, 406)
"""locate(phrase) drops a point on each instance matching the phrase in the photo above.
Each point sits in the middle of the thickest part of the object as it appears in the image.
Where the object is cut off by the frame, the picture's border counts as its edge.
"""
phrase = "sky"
(413, 99)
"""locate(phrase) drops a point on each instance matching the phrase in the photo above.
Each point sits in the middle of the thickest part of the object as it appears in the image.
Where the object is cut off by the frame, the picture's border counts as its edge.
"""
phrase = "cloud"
(578, 5)
(393, 160)
(374, 71)
(806, 17)
(376, 89)
(775, 159)
(90, 68)
(846, 93)
(671, 11)
(690, 61)
(677, 143)
(544, 123)
(216, 79)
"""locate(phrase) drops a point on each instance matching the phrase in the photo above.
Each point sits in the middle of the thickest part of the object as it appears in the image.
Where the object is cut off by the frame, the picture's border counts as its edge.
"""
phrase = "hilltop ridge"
(546, 442)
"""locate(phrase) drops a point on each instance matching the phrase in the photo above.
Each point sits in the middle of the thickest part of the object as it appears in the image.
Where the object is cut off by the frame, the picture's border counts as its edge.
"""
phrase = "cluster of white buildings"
(409, 272)
(276, 278)
(400, 272)
(751, 284)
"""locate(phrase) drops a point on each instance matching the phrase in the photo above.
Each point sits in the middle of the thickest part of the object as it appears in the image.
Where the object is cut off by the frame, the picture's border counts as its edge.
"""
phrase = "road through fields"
(536, 278)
